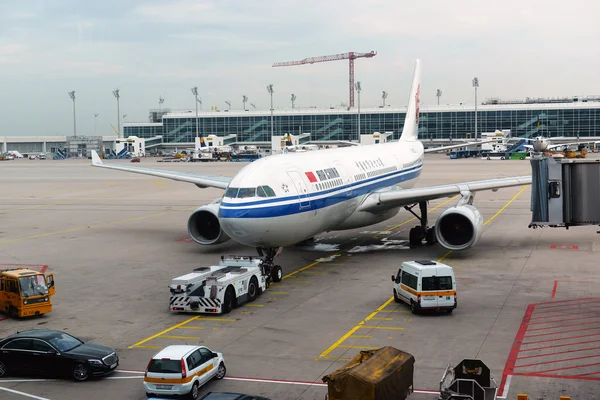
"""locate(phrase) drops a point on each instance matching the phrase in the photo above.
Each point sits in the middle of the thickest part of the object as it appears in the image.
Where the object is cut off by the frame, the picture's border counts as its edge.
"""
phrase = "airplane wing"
(454, 146)
(381, 201)
(202, 181)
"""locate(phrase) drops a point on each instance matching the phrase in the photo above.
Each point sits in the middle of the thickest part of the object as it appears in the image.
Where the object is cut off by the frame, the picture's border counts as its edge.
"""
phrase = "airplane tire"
(277, 273)
(430, 237)
(415, 236)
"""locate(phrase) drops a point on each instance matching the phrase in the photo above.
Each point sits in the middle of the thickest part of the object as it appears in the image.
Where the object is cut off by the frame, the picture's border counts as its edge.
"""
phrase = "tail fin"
(410, 131)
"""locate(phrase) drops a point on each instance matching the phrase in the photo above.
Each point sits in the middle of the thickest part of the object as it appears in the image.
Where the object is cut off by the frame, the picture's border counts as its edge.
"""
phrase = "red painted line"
(559, 352)
(554, 290)
(564, 368)
(555, 340)
(563, 326)
(565, 320)
(537, 305)
(557, 361)
(582, 307)
(560, 333)
(565, 315)
(591, 373)
(3, 318)
(565, 247)
(514, 351)
(577, 377)
(557, 345)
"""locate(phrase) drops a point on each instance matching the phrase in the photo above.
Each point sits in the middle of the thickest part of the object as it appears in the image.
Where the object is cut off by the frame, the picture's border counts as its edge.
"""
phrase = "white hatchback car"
(182, 370)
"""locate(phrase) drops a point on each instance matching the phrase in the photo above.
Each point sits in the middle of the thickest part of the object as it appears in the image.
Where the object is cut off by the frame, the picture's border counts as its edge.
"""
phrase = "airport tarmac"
(527, 299)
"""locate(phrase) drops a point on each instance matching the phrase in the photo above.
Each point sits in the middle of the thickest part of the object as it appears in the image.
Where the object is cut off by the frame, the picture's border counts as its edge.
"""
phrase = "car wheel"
(3, 369)
(80, 373)
(277, 273)
(396, 298)
(195, 391)
(253, 289)
(413, 307)
(221, 371)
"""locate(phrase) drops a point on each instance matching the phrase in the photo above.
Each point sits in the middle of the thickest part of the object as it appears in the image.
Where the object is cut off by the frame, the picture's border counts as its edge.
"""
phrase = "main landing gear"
(273, 272)
(421, 232)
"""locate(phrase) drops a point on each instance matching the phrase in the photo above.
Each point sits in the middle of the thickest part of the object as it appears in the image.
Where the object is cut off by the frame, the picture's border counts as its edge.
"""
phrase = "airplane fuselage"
(285, 199)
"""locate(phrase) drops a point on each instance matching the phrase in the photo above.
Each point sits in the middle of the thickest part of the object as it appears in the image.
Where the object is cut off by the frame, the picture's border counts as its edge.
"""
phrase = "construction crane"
(351, 56)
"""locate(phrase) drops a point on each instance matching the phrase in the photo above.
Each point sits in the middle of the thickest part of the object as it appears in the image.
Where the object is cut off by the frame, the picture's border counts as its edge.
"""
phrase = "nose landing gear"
(273, 273)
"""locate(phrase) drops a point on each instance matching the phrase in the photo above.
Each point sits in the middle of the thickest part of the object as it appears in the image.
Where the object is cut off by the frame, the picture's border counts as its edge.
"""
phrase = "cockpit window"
(268, 191)
(260, 192)
(231, 192)
(246, 192)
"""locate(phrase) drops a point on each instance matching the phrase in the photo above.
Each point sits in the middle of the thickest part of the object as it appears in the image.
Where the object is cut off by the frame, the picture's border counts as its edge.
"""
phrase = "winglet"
(96, 159)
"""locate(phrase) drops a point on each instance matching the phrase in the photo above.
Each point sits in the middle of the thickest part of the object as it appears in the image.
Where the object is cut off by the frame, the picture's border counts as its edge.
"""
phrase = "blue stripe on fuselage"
(270, 211)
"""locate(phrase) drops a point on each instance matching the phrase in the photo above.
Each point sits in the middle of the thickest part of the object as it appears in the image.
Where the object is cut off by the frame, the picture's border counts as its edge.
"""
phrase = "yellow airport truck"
(25, 292)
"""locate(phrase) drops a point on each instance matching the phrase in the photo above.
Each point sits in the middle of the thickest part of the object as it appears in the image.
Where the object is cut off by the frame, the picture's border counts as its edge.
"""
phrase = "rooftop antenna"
(229, 104)
(253, 105)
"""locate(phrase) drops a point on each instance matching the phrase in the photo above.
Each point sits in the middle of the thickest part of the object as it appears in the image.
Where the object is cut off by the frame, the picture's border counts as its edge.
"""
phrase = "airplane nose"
(240, 230)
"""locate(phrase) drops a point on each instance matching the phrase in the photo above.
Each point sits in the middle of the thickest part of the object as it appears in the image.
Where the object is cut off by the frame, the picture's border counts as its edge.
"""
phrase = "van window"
(165, 366)
(437, 283)
(409, 280)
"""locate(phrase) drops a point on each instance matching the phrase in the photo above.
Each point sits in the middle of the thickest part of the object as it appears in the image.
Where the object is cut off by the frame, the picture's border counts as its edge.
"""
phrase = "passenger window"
(19, 344)
(428, 283)
(244, 193)
(11, 286)
(41, 346)
(260, 192)
(231, 192)
(206, 355)
(268, 191)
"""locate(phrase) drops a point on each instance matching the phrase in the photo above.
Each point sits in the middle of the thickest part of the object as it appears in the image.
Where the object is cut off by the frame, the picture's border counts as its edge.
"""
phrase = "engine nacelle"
(459, 228)
(204, 226)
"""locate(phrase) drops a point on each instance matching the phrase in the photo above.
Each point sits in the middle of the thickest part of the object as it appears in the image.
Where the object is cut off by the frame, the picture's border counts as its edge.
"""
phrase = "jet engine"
(459, 228)
(204, 226)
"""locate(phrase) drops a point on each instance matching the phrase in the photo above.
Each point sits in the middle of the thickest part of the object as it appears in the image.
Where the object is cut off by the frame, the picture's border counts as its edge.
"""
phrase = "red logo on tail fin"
(417, 104)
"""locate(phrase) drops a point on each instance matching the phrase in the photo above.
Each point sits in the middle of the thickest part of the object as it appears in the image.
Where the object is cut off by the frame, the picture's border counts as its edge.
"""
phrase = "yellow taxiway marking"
(362, 324)
(382, 319)
(358, 347)
(216, 319)
(361, 337)
(254, 305)
(398, 311)
(163, 332)
(191, 327)
(146, 347)
(179, 337)
(278, 292)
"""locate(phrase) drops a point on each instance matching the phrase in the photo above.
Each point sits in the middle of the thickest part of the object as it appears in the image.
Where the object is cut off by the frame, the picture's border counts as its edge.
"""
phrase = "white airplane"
(541, 144)
(285, 199)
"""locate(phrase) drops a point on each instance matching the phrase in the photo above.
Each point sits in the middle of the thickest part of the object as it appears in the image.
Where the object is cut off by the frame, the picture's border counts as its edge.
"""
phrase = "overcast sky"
(226, 48)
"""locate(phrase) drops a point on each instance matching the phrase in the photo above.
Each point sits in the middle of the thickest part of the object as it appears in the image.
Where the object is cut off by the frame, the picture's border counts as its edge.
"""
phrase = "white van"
(425, 285)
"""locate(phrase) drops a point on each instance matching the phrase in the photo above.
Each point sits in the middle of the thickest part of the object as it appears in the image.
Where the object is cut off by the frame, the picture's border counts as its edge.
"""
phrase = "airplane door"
(301, 188)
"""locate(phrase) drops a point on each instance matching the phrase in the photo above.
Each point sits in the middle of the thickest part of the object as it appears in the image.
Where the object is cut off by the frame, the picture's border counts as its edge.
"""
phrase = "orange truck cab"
(25, 292)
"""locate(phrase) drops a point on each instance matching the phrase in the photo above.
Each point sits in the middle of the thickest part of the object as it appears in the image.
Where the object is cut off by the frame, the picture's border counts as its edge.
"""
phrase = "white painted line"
(124, 377)
(506, 387)
(31, 396)
(235, 378)
(128, 371)
(25, 380)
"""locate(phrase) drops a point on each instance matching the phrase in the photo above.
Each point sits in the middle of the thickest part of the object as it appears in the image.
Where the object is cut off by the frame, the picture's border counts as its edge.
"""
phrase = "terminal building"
(571, 117)
(438, 124)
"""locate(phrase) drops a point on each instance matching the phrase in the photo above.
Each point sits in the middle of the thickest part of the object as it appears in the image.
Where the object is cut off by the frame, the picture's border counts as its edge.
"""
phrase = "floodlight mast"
(118, 96)
(72, 96)
(270, 90)
(358, 89)
(439, 94)
(384, 96)
(160, 101)
(195, 93)
(244, 100)
(293, 99)
(475, 85)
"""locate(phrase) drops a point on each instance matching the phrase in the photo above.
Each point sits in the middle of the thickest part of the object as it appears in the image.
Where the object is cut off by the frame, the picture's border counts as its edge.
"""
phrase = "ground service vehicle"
(51, 353)
(425, 284)
(219, 288)
(182, 370)
(25, 292)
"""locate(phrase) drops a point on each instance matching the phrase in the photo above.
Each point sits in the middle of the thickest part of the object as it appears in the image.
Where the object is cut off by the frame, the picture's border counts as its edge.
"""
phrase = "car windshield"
(34, 285)
(165, 366)
(64, 342)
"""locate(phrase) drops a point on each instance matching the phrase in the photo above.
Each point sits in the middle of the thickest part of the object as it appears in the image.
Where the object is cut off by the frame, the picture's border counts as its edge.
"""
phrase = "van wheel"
(396, 298)
(450, 310)
(252, 289)
(413, 307)
(228, 301)
(195, 391)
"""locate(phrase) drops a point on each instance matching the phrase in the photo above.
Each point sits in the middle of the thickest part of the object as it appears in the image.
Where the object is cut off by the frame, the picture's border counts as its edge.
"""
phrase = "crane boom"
(351, 56)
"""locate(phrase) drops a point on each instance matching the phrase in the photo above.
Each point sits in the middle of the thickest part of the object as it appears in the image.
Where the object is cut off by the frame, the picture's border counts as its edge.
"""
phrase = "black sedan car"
(230, 396)
(54, 354)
